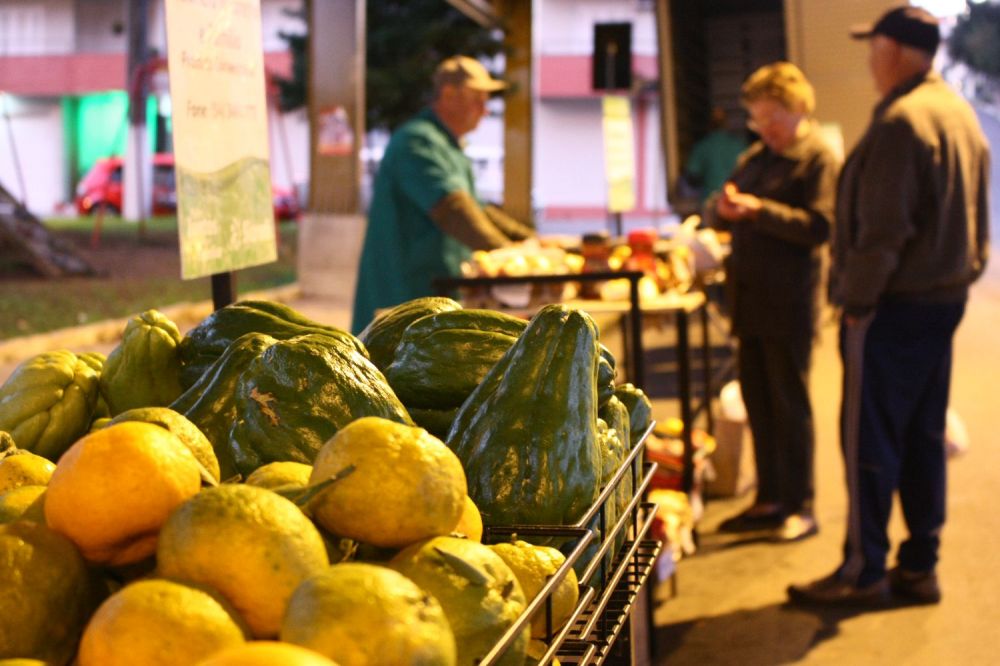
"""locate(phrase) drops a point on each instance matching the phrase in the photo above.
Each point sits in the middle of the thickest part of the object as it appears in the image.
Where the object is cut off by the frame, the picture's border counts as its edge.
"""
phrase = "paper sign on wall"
(224, 209)
(619, 153)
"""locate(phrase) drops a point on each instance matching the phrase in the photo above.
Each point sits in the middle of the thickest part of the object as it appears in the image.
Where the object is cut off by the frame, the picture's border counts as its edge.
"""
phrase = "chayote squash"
(211, 403)
(48, 402)
(209, 339)
(298, 393)
(640, 410)
(382, 335)
(605, 376)
(527, 436)
(442, 357)
(144, 369)
(435, 421)
(96, 360)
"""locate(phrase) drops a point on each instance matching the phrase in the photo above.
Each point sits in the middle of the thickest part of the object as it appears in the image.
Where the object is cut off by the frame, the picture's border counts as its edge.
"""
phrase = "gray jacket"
(912, 207)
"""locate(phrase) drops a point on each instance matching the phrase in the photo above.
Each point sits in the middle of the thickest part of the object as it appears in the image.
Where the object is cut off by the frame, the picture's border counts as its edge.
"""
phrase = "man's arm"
(460, 216)
(809, 224)
(511, 227)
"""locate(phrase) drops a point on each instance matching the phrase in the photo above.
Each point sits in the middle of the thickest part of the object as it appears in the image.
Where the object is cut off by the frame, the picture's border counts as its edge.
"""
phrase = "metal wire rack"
(611, 577)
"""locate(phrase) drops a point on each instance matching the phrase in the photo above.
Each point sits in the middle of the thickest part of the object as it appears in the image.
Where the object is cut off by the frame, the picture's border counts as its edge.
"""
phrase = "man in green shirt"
(714, 157)
(424, 218)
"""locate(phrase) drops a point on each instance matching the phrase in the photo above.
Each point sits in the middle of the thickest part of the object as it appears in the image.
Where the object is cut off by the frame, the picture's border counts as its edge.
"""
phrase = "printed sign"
(336, 136)
(619, 153)
(224, 210)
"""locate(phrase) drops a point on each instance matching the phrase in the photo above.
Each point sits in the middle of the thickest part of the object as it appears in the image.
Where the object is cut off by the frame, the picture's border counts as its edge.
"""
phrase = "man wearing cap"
(911, 235)
(424, 218)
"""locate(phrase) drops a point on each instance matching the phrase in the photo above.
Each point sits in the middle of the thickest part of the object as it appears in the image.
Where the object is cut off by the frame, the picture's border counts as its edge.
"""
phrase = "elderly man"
(911, 235)
(424, 218)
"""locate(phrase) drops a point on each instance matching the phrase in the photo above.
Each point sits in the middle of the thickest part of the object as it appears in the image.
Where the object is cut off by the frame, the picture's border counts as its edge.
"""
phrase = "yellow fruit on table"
(180, 425)
(158, 623)
(533, 565)
(537, 650)
(402, 484)
(23, 502)
(24, 468)
(267, 653)
(22, 662)
(46, 593)
(470, 525)
(477, 590)
(249, 543)
(280, 474)
(114, 488)
(364, 614)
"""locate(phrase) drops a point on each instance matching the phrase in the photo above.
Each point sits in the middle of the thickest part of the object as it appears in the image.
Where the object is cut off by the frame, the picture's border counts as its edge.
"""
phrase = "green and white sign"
(224, 209)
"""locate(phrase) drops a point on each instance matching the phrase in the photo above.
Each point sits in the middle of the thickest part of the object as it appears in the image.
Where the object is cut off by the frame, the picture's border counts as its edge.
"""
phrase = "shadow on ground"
(774, 634)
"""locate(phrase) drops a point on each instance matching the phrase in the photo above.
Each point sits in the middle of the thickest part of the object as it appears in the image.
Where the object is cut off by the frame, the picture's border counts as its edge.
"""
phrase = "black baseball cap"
(908, 25)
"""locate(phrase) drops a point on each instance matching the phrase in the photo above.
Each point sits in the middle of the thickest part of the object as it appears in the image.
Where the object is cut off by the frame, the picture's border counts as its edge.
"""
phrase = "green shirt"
(404, 251)
(713, 159)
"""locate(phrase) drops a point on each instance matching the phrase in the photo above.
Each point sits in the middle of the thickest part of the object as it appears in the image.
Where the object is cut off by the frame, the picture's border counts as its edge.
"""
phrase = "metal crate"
(610, 580)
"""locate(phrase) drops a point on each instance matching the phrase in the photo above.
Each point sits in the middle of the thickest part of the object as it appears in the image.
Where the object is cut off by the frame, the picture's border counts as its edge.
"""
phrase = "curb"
(109, 331)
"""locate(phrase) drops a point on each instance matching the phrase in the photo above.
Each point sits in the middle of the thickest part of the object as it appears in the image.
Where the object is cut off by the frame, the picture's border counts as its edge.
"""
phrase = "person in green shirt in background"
(714, 156)
(425, 218)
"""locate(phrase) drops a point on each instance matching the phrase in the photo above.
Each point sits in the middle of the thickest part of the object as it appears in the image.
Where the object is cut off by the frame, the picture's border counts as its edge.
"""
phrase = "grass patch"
(138, 274)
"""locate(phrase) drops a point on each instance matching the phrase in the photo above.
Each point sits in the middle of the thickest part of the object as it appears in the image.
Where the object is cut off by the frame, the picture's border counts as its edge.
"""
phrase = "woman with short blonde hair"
(778, 204)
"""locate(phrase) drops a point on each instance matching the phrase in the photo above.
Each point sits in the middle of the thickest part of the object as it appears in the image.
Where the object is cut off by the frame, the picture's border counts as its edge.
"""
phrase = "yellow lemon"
(470, 525)
(24, 502)
(400, 484)
(114, 488)
(158, 623)
(249, 543)
(477, 590)
(280, 474)
(180, 425)
(364, 614)
(46, 593)
(533, 565)
(23, 468)
(267, 653)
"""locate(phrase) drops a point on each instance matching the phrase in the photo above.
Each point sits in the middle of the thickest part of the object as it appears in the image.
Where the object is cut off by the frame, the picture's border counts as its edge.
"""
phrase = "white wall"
(36, 125)
(566, 27)
(101, 26)
(569, 154)
(36, 27)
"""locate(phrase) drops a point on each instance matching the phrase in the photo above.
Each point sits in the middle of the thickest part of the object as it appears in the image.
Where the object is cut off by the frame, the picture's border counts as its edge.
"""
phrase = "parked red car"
(101, 189)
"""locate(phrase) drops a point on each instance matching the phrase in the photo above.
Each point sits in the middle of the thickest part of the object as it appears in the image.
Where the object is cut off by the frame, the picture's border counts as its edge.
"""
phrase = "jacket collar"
(428, 114)
(904, 88)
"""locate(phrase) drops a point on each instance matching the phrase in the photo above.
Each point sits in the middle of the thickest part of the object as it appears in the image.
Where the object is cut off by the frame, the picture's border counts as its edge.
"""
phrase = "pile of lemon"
(129, 550)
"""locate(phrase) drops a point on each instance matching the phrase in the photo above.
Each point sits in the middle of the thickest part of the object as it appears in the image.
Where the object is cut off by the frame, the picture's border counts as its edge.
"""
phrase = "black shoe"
(916, 587)
(752, 520)
(832, 591)
(796, 527)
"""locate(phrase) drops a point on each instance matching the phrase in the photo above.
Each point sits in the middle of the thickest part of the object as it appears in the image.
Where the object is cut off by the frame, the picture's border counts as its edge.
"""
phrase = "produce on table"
(48, 593)
(527, 436)
(114, 488)
(533, 565)
(398, 484)
(382, 335)
(267, 653)
(248, 543)
(22, 468)
(364, 615)
(605, 376)
(49, 401)
(144, 369)
(441, 358)
(298, 393)
(178, 424)
(157, 622)
(96, 360)
(477, 590)
(213, 335)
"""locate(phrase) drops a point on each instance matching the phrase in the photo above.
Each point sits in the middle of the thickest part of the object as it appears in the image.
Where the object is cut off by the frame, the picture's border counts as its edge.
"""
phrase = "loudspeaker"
(612, 61)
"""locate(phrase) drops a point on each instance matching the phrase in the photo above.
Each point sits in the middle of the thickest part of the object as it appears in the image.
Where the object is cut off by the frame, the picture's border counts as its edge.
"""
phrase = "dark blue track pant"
(897, 369)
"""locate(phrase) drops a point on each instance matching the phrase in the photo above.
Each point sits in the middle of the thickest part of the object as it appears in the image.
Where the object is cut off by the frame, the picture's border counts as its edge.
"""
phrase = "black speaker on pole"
(612, 61)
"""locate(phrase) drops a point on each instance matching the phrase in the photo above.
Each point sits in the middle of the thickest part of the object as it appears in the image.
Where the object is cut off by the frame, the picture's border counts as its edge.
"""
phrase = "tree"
(406, 41)
(975, 42)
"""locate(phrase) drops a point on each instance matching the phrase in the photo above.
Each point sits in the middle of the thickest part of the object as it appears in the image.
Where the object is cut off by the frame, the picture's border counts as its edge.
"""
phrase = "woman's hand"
(733, 205)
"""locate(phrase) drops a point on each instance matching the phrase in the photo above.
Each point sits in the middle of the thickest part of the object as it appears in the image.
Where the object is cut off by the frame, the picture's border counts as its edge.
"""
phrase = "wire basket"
(611, 577)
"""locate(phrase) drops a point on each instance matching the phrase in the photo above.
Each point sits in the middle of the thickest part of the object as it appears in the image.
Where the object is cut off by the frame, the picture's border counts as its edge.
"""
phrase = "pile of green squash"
(530, 408)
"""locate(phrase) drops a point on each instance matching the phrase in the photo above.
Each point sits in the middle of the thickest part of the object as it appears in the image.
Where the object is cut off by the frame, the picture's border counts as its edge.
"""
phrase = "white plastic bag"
(731, 403)
(956, 436)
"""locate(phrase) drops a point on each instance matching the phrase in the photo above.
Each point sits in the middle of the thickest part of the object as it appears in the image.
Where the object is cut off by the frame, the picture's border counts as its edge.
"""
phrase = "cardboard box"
(732, 462)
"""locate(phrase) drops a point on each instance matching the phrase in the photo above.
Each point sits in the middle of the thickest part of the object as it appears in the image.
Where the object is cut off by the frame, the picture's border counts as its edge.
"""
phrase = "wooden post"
(518, 126)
